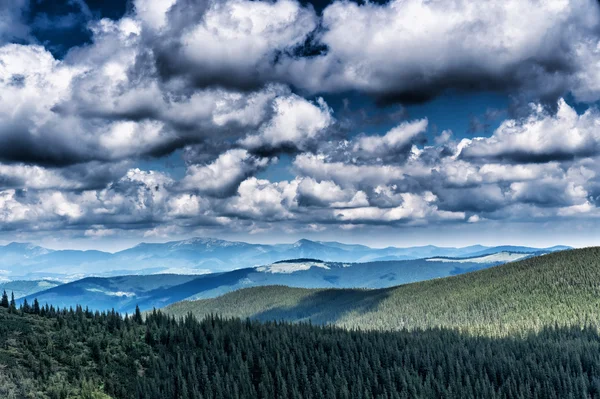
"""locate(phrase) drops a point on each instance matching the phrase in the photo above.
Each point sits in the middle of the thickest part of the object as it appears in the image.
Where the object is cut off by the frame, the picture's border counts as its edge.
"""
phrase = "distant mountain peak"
(207, 241)
(303, 242)
(27, 246)
(24, 245)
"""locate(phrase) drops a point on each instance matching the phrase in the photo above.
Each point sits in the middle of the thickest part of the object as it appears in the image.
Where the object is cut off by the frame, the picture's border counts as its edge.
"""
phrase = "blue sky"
(386, 123)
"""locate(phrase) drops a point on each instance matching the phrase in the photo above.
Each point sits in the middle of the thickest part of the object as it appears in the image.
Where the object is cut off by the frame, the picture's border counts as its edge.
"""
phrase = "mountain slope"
(124, 293)
(121, 293)
(21, 288)
(77, 354)
(562, 287)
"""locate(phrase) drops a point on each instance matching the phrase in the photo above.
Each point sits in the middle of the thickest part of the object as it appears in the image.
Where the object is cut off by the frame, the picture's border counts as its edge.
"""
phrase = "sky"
(407, 122)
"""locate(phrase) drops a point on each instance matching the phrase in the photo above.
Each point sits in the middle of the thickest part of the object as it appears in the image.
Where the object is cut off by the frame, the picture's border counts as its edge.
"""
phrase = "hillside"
(46, 354)
(121, 293)
(21, 288)
(562, 288)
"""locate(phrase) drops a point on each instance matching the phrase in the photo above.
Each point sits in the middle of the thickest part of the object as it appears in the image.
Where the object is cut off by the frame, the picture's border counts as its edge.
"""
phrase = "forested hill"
(561, 288)
(46, 354)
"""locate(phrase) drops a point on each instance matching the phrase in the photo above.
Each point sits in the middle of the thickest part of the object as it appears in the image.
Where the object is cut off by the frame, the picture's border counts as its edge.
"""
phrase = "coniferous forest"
(515, 298)
(58, 354)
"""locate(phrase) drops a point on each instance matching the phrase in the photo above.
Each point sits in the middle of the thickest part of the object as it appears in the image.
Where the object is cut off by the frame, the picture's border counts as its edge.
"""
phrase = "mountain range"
(25, 261)
(123, 293)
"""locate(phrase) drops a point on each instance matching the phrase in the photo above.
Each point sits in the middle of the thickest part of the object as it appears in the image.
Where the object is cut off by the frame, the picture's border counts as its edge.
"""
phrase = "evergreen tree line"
(75, 353)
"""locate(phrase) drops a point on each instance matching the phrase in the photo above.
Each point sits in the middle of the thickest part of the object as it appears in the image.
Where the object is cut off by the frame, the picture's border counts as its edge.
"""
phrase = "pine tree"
(137, 317)
(4, 302)
(25, 307)
(13, 303)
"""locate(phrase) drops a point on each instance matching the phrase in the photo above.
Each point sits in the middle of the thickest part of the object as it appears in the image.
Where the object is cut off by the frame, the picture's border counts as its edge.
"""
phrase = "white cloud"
(327, 193)
(222, 176)
(413, 49)
(397, 139)
(260, 199)
(241, 33)
(540, 137)
(347, 174)
(153, 12)
(211, 78)
(229, 43)
(414, 208)
(35, 177)
(296, 123)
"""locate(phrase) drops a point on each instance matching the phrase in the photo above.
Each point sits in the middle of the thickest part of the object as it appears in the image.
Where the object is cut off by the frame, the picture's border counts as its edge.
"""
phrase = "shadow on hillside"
(327, 306)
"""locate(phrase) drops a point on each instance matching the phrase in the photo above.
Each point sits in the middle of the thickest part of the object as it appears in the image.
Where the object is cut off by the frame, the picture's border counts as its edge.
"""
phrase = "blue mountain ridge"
(24, 261)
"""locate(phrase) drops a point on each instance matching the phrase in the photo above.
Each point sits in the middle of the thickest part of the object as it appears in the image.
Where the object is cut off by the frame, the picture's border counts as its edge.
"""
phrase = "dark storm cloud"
(94, 175)
(532, 79)
(18, 145)
(478, 199)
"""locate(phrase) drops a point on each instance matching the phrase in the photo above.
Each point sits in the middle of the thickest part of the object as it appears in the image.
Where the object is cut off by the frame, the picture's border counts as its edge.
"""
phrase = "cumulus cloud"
(230, 43)
(403, 51)
(153, 13)
(100, 104)
(296, 124)
(138, 200)
(459, 183)
(414, 209)
(222, 176)
(411, 51)
(394, 143)
(328, 194)
(541, 137)
(32, 82)
(78, 177)
(263, 200)
(231, 85)
(345, 174)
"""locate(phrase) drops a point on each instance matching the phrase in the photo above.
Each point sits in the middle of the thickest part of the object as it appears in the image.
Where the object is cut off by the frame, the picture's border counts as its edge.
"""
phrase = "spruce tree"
(137, 317)
(25, 307)
(13, 303)
(4, 302)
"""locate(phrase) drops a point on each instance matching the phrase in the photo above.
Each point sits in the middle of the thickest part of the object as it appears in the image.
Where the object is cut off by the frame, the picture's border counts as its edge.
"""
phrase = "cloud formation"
(234, 85)
(230, 43)
(541, 137)
(411, 51)
(401, 51)
(222, 176)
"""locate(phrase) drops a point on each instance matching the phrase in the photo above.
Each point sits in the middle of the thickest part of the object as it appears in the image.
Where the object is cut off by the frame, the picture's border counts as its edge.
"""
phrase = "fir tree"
(13, 303)
(4, 302)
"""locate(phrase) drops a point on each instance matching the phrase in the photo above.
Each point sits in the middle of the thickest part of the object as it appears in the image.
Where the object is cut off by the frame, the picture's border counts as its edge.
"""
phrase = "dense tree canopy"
(46, 353)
